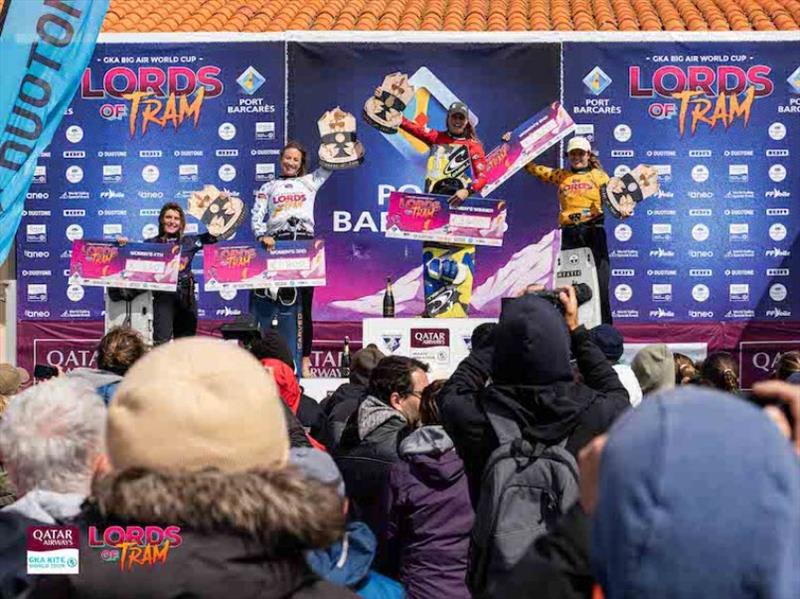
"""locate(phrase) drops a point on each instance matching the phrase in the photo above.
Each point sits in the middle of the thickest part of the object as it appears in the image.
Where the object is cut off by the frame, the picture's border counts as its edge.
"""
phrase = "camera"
(583, 293)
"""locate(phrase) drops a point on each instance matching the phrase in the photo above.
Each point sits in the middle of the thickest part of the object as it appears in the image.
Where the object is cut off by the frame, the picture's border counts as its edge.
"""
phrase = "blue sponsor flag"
(45, 45)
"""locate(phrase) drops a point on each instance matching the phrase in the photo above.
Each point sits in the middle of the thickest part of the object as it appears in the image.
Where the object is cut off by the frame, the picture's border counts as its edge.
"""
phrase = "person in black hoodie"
(337, 408)
(527, 358)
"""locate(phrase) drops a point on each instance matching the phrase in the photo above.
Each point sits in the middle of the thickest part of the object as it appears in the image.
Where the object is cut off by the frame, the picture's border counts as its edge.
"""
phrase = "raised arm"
(429, 136)
(547, 174)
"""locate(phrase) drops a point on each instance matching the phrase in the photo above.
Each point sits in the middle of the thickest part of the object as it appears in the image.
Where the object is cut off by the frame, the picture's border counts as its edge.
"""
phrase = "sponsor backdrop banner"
(712, 258)
(720, 124)
(502, 90)
(149, 124)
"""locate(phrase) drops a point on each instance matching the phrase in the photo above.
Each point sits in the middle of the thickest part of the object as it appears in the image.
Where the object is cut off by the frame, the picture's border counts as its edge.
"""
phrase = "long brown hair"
(787, 365)
(428, 406)
(594, 161)
(720, 370)
(296, 145)
(177, 208)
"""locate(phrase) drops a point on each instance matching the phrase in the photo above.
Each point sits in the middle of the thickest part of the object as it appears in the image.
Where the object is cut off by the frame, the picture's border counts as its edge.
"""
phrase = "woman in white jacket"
(284, 210)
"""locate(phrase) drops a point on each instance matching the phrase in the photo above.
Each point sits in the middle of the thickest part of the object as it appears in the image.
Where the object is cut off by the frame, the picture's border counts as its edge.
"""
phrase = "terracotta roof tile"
(452, 15)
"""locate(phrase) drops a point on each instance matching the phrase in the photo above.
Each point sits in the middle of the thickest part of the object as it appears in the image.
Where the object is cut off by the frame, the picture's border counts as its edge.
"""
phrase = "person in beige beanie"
(197, 438)
(654, 368)
(12, 379)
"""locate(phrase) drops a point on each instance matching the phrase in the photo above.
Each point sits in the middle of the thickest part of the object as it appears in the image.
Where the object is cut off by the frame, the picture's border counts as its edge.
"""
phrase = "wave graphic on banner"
(45, 47)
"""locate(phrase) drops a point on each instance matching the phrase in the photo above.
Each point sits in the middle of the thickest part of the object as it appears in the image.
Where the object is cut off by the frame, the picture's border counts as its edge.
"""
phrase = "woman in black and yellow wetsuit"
(581, 216)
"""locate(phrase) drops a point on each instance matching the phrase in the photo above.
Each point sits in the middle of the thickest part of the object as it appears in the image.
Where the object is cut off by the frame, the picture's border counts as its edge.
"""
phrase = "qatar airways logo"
(709, 95)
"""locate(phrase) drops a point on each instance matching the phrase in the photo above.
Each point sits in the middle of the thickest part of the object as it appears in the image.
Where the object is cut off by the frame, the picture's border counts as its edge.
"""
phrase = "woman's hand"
(378, 92)
(268, 242)
(122, 240)
(506, 137)
(458, 198)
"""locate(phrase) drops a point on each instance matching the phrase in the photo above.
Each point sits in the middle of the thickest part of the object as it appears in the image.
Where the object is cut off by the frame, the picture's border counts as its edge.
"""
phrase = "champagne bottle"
(388, 300)
(345, 365)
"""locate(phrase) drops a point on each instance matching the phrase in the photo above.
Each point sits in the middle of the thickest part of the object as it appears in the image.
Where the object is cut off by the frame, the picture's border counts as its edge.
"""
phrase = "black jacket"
(368, 448)
(337, 409)
(532, 382)
(13, 543)
(242, 535)
(310, 415)
(556, 566)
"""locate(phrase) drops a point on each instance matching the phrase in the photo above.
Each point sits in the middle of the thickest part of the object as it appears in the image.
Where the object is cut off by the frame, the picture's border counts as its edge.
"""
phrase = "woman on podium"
(284, 211)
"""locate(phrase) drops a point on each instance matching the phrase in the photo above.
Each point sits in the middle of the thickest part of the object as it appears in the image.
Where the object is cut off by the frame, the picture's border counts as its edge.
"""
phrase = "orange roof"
(452, 15)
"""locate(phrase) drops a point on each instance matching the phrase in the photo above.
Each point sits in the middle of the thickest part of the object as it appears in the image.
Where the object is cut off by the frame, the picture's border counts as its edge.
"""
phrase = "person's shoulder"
(322, 589)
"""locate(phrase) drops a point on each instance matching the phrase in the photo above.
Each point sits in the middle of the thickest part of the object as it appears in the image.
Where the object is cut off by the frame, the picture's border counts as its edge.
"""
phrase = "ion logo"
(700, 292)
(777, 131)
(623, 292)
(74, 232)
(623, 232)
(700, 173)
(74, 134)
(778, 292)
(74, 174)
(150, 173)
(75, 293)
(777, 232)
(227, 131)
(777, 172)
(700, 232)
(227, 172)
(622, 132)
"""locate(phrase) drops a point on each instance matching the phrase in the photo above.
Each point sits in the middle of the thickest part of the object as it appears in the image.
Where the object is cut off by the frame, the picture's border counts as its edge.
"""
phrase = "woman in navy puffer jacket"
(430, 514)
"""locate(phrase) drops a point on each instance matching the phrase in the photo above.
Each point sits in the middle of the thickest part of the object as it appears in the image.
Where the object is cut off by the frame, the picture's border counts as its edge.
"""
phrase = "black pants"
(592, 236)
(174, 314)
(307, 299)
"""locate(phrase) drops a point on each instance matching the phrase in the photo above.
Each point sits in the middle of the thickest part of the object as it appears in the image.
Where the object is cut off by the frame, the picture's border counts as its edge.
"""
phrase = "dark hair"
(428, 404)
(787, 365)
(720, 370)
(685, 370)
(166, 207)
(296, 145)
(272, 345)
(393, 375)
(119, 349)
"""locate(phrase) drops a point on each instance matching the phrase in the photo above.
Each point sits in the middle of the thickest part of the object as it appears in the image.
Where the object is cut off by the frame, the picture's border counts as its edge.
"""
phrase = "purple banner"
(152, 266)
(531, 138)
(229, 266)
(428, 217)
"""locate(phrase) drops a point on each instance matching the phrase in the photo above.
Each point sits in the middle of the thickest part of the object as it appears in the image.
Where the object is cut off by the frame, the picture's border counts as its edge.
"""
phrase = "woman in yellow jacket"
(581, 215)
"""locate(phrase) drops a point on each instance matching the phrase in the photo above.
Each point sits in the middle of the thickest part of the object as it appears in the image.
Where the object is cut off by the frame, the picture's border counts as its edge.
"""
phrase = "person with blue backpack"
(518, 436)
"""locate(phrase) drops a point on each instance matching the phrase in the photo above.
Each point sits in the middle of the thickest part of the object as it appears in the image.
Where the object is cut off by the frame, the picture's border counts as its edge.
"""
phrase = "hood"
(281, 509)
(547, 413)
(373, 413)
(692, 482)
(47, 506)
(288, 387)
(348, 561)
(97, 378)
(426, 440)
(531, 344)
(428, 450)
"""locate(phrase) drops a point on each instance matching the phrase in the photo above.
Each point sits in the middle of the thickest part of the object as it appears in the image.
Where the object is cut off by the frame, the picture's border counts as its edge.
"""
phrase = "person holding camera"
(527, 359)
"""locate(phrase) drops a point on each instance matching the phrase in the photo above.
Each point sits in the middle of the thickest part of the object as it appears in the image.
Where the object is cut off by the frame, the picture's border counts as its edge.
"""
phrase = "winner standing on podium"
(284, 211)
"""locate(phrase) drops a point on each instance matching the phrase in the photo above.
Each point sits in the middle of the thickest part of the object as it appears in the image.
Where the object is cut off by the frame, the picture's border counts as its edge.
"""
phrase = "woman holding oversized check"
(284, 211)
(175, 313)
